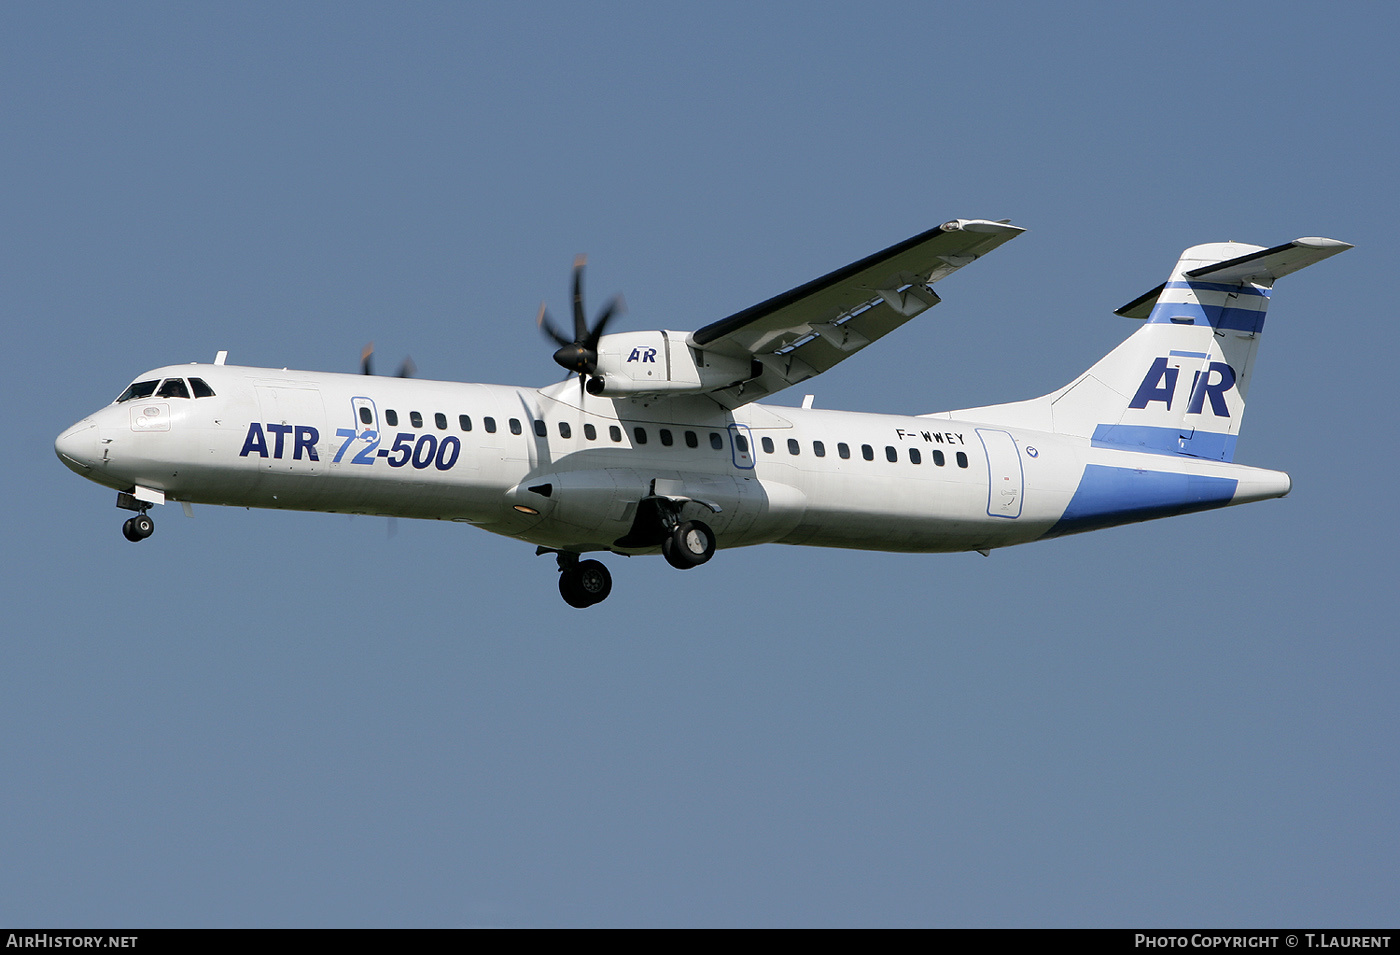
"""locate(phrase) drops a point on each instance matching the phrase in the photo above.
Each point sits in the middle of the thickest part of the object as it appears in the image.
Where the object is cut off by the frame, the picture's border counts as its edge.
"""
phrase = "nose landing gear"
(141, 526)
(138, 528)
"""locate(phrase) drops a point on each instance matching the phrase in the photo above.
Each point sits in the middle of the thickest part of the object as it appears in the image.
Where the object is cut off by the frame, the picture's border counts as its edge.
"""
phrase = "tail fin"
(1178, 385)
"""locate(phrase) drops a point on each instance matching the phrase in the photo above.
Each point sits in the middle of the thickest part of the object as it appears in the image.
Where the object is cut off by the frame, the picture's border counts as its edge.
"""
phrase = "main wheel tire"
(572, 590)
(143, 526)
(689, 545)
(129, 530)
(594, 580)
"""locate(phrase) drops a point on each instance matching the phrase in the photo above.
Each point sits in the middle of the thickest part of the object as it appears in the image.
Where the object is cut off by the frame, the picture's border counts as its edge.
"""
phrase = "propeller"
(581, 353)
(406, 370)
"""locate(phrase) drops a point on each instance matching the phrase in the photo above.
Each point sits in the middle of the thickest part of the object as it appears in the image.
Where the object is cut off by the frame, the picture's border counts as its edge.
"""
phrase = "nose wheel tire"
(689, 545)
(138, 528)
(584, 584)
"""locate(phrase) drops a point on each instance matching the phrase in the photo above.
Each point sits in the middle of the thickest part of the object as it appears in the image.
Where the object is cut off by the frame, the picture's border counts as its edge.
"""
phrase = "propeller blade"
(580, 322)
(366, 366)
(408, 369)
(615, 306)
(542, 320)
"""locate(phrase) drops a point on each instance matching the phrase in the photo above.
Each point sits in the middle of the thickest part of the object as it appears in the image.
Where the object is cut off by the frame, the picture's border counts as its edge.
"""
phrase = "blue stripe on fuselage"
(1107, 496)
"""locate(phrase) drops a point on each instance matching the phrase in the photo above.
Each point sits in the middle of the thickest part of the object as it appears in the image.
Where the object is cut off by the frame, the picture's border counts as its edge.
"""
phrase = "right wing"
(804, 331)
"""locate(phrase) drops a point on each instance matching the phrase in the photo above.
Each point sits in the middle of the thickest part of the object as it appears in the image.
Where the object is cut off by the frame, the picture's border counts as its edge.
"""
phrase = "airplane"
(662, 446)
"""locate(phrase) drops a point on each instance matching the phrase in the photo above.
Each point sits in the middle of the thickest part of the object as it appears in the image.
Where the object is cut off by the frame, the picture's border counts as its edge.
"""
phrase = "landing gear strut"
(583, 583)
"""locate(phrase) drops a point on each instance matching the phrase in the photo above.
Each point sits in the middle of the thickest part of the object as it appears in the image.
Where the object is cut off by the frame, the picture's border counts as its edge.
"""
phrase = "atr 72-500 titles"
(661, 447)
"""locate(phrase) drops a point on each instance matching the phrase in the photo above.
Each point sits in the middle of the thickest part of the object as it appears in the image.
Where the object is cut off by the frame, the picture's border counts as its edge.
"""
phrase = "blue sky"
(267, 719)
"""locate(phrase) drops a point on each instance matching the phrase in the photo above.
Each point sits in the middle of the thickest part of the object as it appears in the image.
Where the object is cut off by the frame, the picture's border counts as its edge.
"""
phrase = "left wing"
(804, 331)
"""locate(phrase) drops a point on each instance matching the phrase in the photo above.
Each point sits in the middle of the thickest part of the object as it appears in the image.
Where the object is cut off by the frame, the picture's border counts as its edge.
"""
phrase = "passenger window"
(767, 443)
(440, 420)
(640, 434)
(962, 460)
(515, 427)
(915, 457)
(793, 446)
(938, 457)
(201, 388)
(867, 452)
(564, 430)
(615, 432)
(366, 416)
(716, 441)
(141, 389)
(590, 432)
(489, 424)
(844, 450)
(742, 443)
(819, 449)
(464, 422)
(391, 418)
(691, 441)
(173, 388)
(666, 438)
(415, 419)
(540, 429)
(891, 454)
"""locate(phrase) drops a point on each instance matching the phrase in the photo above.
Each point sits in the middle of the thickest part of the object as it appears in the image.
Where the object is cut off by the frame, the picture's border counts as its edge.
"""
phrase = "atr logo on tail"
(1160, 385)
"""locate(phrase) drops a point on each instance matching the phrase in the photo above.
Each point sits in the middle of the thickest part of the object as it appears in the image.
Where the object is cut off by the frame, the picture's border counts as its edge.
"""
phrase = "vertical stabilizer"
(1178, 385)
(1186, 374)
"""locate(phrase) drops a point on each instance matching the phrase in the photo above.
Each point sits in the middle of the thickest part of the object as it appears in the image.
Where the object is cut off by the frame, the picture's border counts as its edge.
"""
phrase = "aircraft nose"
(77, 447)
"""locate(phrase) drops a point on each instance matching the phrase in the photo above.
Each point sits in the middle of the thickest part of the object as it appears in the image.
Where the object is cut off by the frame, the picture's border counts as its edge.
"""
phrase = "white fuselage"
(567, 471)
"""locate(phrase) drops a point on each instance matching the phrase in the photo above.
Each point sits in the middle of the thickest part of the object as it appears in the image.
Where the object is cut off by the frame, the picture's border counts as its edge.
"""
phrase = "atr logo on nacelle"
(642, 354)
(1160, 385)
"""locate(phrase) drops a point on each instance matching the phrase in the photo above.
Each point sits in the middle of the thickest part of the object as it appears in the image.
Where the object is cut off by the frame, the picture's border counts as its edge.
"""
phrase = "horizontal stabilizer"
(1260, 267)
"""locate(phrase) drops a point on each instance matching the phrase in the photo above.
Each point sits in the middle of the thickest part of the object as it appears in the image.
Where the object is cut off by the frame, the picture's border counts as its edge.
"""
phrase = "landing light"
(526, 510)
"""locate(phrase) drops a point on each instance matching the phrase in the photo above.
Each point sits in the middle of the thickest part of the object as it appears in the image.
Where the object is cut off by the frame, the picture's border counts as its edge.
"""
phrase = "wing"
(804, 331)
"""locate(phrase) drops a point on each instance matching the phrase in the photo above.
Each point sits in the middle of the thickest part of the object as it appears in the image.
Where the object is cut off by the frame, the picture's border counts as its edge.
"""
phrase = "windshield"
(140, 389)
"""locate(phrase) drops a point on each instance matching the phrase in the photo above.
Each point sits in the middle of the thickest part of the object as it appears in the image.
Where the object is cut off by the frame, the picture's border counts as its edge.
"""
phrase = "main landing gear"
(688, 544)
(684, 544)
(583, 583)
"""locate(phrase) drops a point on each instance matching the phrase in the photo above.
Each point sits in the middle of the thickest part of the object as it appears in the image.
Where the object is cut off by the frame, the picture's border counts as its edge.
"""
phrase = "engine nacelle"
(662, 363)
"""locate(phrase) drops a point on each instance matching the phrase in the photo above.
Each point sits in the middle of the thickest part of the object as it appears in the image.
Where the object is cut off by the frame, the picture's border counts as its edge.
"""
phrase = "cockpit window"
(173, 388)
(200, 388)
(140, 389)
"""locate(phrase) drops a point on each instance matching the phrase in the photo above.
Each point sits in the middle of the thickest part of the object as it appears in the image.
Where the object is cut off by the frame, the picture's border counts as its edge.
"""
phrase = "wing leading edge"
(808, 329)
